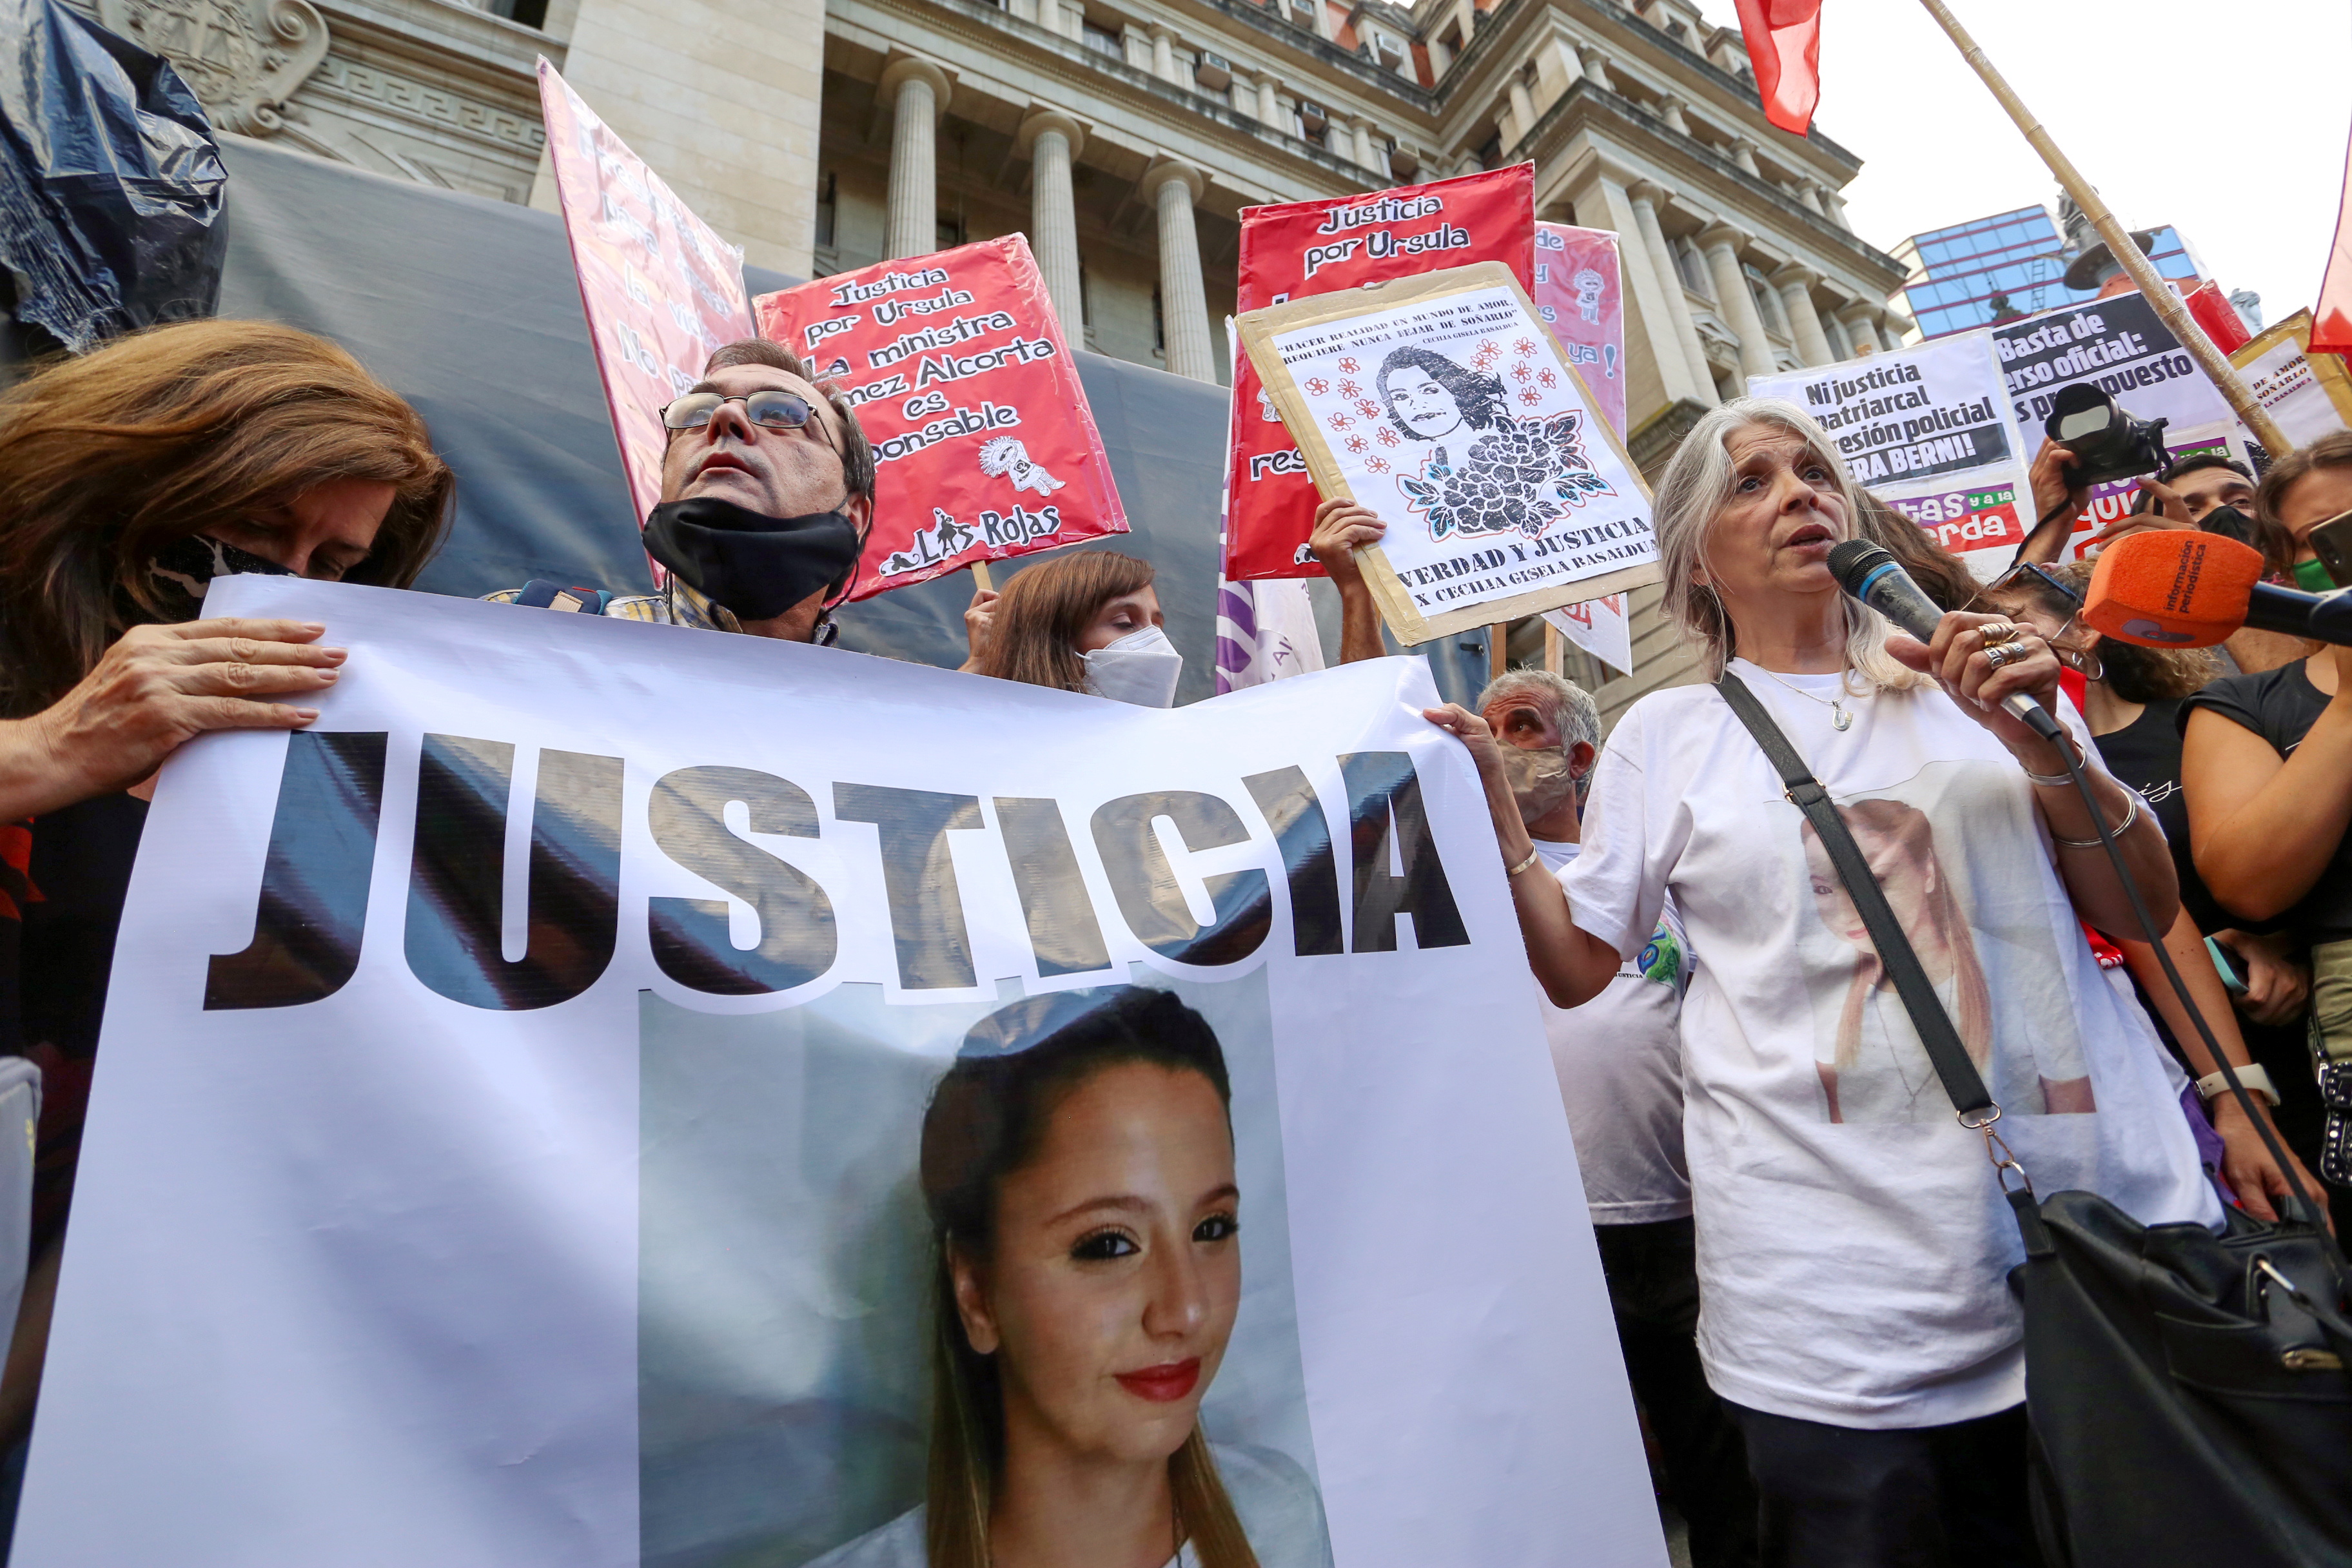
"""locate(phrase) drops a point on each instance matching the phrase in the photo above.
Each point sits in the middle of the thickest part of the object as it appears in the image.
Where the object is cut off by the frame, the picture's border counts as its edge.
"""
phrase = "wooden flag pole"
(1498, 653)
(979, 577)
(2210, 359)
(1555, 654)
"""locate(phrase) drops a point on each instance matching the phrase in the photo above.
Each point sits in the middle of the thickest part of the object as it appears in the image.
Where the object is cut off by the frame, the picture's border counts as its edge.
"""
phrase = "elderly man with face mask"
(1619, 1058)
(767, 495)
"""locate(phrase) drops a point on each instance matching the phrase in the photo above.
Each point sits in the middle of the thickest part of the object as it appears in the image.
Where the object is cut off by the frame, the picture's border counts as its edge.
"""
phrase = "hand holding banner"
(661, 290)
(983, 445)
(388, 1247)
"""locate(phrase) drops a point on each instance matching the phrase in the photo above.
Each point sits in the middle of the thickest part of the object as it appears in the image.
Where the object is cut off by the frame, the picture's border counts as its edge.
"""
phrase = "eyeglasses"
(2030, 575)
(769, 410)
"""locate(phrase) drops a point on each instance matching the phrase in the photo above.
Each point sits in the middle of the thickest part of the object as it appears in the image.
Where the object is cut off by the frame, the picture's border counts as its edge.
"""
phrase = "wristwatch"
(2257, 1080)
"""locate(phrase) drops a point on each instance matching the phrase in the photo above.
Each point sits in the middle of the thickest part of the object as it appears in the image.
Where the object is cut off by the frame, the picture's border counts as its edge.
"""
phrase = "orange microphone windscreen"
(2172, 587)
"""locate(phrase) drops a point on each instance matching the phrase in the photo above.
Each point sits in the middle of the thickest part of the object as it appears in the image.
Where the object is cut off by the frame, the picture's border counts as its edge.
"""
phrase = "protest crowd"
(2047, 875)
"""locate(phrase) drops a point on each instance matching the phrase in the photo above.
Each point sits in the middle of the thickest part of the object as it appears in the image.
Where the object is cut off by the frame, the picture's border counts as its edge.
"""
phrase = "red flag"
(2331, 322)
(1784, 45)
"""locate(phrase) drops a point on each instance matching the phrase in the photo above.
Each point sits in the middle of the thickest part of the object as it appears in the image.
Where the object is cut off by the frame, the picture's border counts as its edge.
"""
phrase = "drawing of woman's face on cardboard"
(1429, 397)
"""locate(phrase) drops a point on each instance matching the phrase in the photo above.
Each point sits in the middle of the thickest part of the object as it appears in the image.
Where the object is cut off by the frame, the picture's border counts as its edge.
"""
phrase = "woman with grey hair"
(1853, 1242)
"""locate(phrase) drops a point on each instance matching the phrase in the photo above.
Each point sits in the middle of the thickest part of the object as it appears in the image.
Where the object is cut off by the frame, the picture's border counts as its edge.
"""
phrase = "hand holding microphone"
(1996, 666)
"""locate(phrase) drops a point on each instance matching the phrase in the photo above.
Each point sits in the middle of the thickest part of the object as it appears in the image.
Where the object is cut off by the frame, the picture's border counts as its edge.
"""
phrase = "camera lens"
(2087, 422)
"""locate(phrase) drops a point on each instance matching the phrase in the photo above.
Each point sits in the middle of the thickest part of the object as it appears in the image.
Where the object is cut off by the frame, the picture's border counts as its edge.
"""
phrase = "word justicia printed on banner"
(660, 288)
(1929, 430)
(631, 1209)
(1300, 249)
(984, 447)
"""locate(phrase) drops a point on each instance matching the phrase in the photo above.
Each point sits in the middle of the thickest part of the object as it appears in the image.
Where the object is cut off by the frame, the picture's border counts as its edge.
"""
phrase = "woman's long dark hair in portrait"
(108, 458)
(987, 1119)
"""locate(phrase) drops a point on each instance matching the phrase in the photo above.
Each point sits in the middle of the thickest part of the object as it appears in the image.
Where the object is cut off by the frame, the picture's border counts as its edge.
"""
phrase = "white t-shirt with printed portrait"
(1853, 1243)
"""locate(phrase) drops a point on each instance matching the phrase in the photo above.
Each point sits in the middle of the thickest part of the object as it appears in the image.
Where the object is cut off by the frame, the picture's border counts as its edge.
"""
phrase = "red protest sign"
(1580, 296)
(662, 291)
(983, 445)
(1298, 248)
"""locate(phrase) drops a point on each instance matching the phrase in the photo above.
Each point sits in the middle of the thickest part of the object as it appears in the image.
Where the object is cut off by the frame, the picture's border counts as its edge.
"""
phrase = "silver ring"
(2001, 653)
(1996, 633)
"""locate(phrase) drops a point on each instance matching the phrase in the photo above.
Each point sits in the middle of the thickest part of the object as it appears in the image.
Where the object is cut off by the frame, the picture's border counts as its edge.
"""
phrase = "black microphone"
(1871, 574)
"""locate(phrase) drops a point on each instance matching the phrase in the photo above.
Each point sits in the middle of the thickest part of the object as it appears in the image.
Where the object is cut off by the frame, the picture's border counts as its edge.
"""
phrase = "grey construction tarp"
(468, 307)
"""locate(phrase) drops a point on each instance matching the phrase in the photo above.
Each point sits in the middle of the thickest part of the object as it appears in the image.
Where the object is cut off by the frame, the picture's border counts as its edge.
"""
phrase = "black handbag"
(2187, 1393)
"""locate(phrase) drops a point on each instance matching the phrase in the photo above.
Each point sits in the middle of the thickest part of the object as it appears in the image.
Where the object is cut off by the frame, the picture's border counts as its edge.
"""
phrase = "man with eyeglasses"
(767, 495)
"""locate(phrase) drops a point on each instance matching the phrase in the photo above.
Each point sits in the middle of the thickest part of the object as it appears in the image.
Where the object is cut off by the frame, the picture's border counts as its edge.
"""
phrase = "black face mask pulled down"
(178, 574)
(756, 565)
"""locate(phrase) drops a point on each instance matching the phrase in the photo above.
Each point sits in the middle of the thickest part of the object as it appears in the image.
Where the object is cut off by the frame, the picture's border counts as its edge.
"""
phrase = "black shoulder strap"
(1961, 1080)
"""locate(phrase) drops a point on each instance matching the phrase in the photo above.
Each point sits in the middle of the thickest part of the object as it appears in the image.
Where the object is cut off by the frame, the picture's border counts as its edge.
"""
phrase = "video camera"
(2107, 442)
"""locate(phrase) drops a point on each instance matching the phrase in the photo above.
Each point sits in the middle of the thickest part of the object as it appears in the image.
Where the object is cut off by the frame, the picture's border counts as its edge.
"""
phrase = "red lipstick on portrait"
(1164, 1383)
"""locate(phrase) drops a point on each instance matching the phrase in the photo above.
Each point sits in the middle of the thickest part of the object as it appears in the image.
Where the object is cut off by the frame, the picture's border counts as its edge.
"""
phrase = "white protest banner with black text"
(516, 1094)
(1927, 429)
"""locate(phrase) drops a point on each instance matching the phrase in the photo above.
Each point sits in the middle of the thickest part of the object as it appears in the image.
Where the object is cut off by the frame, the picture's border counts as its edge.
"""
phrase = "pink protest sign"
(1580, 295)
(661, 290)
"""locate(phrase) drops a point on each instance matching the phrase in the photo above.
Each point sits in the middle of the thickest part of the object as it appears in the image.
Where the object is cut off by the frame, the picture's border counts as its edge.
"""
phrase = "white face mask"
(1140, 667)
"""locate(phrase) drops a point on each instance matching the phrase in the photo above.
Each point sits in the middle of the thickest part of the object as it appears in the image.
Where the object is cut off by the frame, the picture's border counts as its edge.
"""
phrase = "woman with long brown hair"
(1078, 1165)
(129, 479)
(1088, 621)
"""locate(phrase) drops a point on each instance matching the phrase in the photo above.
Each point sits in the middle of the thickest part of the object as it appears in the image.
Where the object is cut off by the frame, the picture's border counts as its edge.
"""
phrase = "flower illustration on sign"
(1350, 365)
(1317, 385)
(1517, 475)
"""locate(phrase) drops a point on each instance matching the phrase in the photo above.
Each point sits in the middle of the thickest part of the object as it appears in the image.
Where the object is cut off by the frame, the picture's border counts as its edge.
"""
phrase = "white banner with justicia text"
(622, 1094)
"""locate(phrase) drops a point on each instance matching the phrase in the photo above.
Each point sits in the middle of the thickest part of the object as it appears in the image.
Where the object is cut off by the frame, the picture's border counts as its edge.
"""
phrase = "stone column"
(1670, 109)
(1743, 152)
(1523, 114)
(1811, 195)
(1892, 326)
(1794, 283)
(1163, 56)
(1721, 244)
(1365, 153)
(1571, 63)
(1835, 205)
(918, 91)
(1596, 69)
(1052, 139)
(1855, 319)
(1269, 103)
(1645, 199)
(1172, 188)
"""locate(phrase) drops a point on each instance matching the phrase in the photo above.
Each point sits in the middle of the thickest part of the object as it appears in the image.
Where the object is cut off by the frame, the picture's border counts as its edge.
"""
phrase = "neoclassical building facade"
(1123, 137)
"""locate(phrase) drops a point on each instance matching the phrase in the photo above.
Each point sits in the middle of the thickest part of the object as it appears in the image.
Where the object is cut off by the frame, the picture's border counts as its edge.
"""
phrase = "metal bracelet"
(2131, 815)
(1533, 855)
